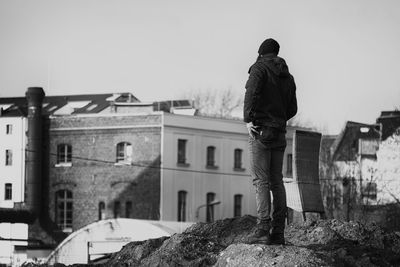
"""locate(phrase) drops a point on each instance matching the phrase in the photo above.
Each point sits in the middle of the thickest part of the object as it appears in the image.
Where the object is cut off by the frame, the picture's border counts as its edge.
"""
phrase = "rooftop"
(66, 104)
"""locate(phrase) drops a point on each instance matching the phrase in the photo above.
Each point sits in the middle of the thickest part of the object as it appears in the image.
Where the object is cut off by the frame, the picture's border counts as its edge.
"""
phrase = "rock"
(248, 255)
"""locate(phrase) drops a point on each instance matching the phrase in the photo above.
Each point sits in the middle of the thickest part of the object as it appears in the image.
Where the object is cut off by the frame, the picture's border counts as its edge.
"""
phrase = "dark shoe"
(260, 236)
(277, 239)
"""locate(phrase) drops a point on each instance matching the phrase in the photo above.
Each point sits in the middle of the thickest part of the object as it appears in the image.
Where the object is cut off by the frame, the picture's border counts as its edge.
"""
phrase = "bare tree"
(302, 121)
(224, 103)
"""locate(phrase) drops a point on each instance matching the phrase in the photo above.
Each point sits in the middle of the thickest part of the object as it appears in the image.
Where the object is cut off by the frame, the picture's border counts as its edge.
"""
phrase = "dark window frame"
(238, 159)
(210, 197)
(8, 191)
(182, 198)
(128, 209)
(9, 157)
(102, 208)
(117, 209)
(122, 152)
(210, 157)
(64, 153)
(237, 205)
(370, 190)
(9, 129)
(289, 165)
(64, 209)
(182, 150)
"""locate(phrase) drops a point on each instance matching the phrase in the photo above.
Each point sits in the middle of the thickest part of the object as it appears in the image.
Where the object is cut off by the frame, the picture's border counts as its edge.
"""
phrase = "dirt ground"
(223, 243)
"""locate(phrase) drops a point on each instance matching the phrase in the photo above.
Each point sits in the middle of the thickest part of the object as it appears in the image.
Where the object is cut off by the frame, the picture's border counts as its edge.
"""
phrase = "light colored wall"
(196, 179)
(388, 165)
(15, 173)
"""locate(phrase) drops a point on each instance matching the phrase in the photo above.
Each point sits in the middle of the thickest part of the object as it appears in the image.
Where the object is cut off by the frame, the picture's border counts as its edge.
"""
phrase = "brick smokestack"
(33, 175)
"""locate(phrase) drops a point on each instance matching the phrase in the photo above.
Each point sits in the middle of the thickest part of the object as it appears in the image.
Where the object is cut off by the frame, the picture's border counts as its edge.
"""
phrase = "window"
(128, 209)
(210, 156)
(8, 191)
(9, 129)
(238, 159)
(124, 152)
(182, 206)
(64, 154)
(210, 207)
(370, 190)
(237, 205)
(8, 157)
(117, 209)
(289, 165)
(182, 151)
(102, 208)
(64, 209)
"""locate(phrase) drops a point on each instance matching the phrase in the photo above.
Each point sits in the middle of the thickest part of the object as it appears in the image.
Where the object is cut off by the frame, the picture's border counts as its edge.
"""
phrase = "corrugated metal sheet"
(304, 193)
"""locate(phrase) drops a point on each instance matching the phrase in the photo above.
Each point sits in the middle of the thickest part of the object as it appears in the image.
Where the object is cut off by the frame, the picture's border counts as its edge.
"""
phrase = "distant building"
(12, 178)
(362, 172)
(390, 121)
(110, 156)
(12, 159)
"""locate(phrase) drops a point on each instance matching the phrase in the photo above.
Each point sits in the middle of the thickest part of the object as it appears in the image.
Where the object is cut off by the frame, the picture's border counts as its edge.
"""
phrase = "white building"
(206, 160)
(12, 160)
(12, 179)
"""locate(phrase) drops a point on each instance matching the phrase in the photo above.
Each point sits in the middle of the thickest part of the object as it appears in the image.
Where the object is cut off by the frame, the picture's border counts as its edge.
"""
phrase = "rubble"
(223, 243)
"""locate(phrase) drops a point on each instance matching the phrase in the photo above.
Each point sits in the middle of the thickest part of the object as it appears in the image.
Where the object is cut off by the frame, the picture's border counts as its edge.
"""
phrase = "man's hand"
(252, 129)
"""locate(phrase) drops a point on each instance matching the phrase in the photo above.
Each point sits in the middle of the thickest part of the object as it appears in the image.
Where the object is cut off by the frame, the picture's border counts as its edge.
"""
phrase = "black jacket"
(270, 98)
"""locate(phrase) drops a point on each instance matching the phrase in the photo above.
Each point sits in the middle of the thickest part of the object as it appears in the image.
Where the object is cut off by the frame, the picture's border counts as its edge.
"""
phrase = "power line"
(146, 165)
(133, 164)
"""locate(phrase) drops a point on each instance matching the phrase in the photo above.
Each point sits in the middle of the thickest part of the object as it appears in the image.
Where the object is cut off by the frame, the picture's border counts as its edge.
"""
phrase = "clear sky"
(344, 54)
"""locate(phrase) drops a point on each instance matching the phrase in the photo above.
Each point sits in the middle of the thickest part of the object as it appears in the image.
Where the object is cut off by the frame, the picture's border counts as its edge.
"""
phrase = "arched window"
(64, 209)
(64, 154)
(117, 209)
(182, 206)
(238, 158)
(124, 152)
(8, 191)
(102, 210)
(237, 205)
(211, 156)
(128, 209)
(210, 207)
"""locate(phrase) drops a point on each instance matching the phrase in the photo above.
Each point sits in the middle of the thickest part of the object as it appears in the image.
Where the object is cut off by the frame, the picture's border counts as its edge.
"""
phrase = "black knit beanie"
(269, 46)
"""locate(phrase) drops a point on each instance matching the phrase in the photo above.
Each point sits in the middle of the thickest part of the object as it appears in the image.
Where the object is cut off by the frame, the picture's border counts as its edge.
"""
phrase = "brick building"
(110, 155)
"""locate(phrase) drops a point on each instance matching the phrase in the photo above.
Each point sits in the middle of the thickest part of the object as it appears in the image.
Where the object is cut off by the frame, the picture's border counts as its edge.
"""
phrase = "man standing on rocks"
(270, 101)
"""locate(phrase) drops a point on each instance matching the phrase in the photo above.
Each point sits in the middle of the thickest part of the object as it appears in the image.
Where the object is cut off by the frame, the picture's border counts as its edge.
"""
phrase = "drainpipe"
(33, 176)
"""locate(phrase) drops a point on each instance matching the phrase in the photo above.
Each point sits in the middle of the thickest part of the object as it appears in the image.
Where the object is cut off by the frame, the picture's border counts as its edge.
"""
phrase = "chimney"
(33, 175)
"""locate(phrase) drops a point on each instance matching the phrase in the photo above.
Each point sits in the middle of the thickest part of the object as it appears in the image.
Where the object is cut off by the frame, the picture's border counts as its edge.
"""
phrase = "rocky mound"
(223, 243)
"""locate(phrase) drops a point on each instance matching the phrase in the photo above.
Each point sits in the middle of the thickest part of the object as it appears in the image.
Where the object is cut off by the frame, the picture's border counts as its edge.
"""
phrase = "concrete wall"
(15, 173)
(195, 178)
(388, 173)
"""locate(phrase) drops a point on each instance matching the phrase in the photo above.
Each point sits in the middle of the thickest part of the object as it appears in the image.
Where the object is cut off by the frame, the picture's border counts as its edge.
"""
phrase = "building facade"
(156, 166)
(110, 156)
(206, 160)
(12, 159)
(12, 179)
(361, 172)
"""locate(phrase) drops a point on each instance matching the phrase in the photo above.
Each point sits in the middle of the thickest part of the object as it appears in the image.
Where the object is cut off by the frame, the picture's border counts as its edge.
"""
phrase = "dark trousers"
(266, 160)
